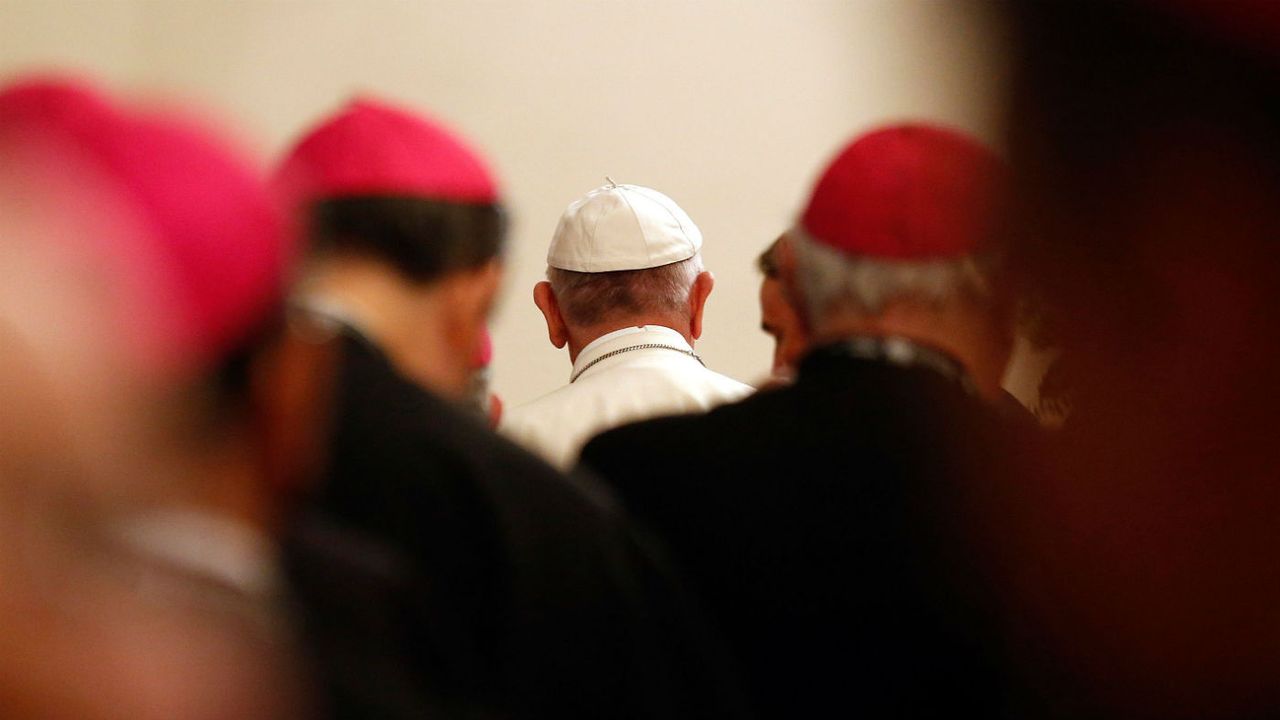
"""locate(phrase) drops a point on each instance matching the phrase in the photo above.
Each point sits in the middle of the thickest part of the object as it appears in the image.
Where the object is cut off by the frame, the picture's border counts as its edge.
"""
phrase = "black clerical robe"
(833, 531)
(440, 571)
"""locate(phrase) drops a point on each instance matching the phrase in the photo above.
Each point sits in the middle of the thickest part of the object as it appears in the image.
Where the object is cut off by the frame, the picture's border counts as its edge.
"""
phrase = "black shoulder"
(396, 443)
(733, 417)
(684, 445)
(637, 446)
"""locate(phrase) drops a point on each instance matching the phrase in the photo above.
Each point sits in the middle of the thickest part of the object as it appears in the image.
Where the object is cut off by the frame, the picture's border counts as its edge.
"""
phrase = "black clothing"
(441, 571)
(1012, 410)
(828, 528)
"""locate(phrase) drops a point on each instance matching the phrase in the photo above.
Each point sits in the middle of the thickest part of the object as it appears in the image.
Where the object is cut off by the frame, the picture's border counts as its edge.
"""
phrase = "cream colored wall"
(728, 106)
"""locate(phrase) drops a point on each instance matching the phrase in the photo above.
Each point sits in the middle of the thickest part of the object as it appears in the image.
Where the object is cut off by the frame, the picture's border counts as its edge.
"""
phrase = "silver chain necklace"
(645, 346)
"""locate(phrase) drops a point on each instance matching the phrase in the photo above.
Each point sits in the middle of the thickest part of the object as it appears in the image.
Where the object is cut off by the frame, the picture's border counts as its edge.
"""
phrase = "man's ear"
(698, 294)
(545, 298)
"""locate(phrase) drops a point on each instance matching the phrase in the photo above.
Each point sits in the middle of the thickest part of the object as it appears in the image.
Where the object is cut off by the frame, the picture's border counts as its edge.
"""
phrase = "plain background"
(731, 107)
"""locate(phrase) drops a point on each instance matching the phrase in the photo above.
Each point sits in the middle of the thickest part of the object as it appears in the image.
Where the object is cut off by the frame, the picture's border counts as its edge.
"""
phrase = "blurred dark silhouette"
(1147, 137)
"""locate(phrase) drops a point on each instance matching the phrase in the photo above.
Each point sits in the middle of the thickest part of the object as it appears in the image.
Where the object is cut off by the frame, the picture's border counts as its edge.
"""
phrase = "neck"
(222, 457)
(402, 318)
(964, 335)
(582, 336)
(236, 491)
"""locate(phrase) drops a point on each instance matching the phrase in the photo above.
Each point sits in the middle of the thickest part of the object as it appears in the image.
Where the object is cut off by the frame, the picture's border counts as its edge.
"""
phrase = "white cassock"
(624, 376)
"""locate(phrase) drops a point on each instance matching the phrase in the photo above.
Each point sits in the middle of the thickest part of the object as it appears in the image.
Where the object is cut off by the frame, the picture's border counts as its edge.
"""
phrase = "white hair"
(831, 280)
(589, 298)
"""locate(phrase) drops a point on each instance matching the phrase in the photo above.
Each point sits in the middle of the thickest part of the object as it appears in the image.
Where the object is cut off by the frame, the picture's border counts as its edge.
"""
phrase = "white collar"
(211, 545)
(333, 310)
(627, 337)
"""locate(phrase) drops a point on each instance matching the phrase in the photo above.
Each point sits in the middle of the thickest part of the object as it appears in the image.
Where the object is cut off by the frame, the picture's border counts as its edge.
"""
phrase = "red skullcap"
(208, 242)
(371, 148)
(57, 105)
(908, 192)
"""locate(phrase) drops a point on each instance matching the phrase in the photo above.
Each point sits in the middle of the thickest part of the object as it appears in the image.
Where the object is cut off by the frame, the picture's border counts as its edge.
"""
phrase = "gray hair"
(831, 280)
(591, 298)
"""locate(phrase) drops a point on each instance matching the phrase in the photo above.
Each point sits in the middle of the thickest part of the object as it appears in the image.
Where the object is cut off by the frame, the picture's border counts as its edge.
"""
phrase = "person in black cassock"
(439, 570)
(832, 528)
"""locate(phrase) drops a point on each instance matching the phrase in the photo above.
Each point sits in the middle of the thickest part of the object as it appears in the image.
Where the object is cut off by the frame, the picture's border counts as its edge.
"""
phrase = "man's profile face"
(779, 318)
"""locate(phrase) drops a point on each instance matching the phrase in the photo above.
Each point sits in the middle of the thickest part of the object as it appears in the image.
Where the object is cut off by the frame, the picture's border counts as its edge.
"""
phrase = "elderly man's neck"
(582, 336)
(969, 336)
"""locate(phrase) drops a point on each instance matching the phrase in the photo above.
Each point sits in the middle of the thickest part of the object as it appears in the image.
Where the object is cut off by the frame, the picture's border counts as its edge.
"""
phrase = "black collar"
(899, 352)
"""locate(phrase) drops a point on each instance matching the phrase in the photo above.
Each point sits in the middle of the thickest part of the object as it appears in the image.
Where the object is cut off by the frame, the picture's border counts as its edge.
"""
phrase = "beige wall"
(728, 106)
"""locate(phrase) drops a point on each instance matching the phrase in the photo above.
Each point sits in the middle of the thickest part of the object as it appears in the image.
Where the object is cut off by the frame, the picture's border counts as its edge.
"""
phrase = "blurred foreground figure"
(625, 292)
(1150, 168)
(826, 524)
(142, 259)
(444, 572)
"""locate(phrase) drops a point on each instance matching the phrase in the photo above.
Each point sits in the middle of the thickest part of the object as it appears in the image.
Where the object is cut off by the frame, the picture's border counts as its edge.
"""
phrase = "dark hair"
(422, 239)
(767, 263)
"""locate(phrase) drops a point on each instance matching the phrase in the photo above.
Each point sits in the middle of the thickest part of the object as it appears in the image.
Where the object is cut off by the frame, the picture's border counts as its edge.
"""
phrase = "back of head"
(906, 212)
(184, 220)
(622, 253)
(153, 260)
(378, 181)
(900, 238)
